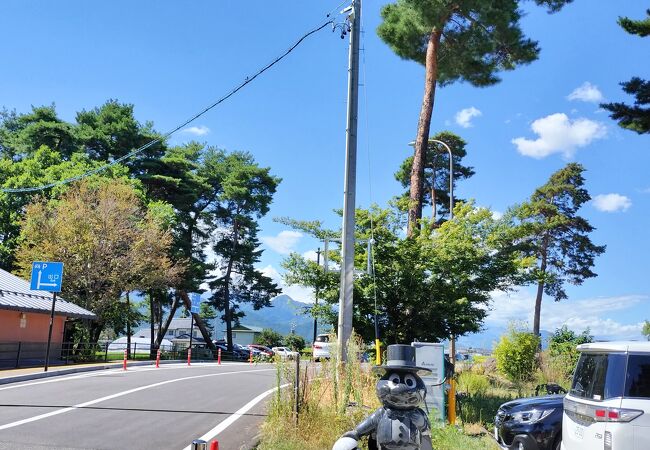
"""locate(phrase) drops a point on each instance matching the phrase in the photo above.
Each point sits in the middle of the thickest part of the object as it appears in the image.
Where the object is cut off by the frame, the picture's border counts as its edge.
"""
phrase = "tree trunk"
(163, 331)
(198, 321)
(540, 289)
(422, 138)
(226, 288)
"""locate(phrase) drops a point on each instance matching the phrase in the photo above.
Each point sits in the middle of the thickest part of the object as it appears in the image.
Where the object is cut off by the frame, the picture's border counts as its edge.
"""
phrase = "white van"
(321, 348)
(608, 405)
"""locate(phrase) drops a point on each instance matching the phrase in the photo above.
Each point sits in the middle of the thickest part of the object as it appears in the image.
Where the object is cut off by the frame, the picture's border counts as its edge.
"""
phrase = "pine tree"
(634, 117)
(554, 234)
(462, 40)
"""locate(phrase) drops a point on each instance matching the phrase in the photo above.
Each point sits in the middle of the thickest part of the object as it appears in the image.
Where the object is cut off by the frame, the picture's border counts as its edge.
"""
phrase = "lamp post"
(451, 177)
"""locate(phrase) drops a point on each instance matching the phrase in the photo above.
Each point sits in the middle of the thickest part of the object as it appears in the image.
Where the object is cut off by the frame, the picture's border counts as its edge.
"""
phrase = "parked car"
(321, 347)
(533, 423)
(285, 352)
(263, 349)
(236, 353)
(608, 405)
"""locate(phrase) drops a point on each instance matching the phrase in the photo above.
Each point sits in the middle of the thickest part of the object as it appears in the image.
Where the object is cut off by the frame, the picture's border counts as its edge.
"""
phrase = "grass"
(333, 401)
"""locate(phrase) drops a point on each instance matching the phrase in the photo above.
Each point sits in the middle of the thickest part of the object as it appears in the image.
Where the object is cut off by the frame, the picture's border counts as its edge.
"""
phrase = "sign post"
(194, 309)
(47, 276)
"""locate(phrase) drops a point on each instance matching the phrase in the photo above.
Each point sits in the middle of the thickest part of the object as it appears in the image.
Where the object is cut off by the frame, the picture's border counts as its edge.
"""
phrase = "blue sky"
(171, 59)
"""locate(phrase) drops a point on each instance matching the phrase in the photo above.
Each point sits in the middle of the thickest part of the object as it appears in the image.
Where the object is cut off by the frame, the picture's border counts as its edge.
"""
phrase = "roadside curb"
(71, 370)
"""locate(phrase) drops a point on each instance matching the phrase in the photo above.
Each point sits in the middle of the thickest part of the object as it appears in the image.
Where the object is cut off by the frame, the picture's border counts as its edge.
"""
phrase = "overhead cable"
(161, 138)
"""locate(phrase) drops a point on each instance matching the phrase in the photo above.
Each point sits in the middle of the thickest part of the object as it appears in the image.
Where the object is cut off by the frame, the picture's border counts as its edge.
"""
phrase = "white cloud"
(464, 116)
(296, 292)
(310, 255)
(587, 92)
(200, 130)
(284, 242)
(496, 215)
(559, 134)
(611, 202)
(578, 315)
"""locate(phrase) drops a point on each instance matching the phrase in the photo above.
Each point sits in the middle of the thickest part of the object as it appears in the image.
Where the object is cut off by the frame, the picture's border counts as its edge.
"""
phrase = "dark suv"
(530, 423)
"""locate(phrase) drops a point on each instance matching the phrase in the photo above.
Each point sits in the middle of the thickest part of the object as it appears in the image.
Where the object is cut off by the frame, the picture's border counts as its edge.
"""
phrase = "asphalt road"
(142, 408)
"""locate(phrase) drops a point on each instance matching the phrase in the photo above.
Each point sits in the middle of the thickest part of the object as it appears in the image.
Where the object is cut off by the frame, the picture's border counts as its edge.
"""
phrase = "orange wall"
(36, 328)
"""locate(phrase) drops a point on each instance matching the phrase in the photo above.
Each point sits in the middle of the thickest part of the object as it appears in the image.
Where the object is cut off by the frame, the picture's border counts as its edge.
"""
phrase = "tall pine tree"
(463, 40)
(552, 232)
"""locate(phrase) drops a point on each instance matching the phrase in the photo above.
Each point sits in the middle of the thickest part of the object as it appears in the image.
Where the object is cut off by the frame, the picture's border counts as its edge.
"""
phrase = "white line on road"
(119, 394)
(116, 371)
(234, 416)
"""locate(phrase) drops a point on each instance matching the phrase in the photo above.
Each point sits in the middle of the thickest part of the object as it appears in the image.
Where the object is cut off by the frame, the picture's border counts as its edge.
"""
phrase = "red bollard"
(124, 364)
(189, 356)
(158, 359)
(219, 357)
(214, 445)
(250, 357)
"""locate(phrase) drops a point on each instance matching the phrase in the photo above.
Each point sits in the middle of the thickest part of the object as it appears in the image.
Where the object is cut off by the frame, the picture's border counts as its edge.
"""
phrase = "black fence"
(14, 355)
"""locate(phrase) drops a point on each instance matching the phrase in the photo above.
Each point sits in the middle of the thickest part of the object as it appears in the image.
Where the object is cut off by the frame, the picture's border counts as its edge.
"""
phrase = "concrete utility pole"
(316, 297)
(347, 260)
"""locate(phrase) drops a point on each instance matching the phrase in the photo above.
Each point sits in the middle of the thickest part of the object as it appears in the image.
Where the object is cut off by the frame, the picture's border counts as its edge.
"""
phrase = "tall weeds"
(333, 398)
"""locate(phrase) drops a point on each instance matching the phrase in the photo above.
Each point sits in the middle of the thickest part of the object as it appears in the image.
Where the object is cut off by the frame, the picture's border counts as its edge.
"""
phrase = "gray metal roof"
(15, 294)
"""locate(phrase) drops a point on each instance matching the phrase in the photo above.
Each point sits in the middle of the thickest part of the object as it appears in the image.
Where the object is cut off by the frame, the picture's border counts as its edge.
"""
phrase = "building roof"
(247, 328)
(15, 294)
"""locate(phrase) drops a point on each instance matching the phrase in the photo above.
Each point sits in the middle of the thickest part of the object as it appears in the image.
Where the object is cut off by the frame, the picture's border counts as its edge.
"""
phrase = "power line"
(175, 129)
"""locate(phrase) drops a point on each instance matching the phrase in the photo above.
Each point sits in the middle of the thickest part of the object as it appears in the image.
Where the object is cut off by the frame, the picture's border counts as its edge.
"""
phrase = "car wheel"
(518, 444)
(557, 445)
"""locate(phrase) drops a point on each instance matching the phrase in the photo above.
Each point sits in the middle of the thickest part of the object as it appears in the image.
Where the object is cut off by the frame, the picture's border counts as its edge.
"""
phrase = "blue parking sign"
(196, 303)
(47, 276)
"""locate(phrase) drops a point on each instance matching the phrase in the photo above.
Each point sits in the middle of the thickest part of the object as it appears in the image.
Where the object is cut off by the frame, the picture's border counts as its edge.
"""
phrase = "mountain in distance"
(280, 317)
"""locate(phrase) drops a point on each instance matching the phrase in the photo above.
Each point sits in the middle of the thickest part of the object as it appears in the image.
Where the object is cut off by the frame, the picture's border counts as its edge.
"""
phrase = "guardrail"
(14, 355)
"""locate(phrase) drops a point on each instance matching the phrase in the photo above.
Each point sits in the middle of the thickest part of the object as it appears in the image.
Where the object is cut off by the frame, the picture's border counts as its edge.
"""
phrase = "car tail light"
(600, 414)
(616, 414)
(318, 347)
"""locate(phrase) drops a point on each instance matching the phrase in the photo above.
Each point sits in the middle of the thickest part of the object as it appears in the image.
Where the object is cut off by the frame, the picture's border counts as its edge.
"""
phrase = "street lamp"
(451, 177)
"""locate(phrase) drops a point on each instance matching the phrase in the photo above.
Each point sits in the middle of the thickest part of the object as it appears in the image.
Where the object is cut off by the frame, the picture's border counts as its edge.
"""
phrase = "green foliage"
(247, 192)
(294, 341)
(269, 338)
(436, 171)
(108, 242)
(634, 117)
(515, 354)
(562, 349)
(454, 438)
(646, 329)
(472, 383)
(477, 38)
(551, 232)
(428, 287)
(208, 314)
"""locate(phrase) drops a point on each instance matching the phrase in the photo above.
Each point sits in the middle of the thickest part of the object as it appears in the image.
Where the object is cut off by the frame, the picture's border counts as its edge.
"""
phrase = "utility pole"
(316, 295)
(347, 260)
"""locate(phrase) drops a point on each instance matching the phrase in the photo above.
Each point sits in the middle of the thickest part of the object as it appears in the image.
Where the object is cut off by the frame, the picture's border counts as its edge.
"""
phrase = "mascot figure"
(400, 423)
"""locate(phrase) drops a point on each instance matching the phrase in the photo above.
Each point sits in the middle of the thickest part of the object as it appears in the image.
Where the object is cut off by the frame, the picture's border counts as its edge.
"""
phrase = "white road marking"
(234, 416)
(119, 394)
(116, 371)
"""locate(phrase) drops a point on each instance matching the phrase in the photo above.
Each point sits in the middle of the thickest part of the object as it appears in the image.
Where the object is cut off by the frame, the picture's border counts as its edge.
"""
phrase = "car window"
(599, 376)
(322, 338)
(637, 382)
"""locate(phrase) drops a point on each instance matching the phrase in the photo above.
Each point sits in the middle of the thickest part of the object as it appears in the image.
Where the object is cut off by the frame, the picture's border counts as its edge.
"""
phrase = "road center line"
(119, 394)
(236, 415)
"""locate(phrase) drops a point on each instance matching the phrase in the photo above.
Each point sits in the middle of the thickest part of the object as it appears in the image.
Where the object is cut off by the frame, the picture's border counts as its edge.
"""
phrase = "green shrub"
(515, 355)
(473, 383)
